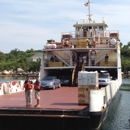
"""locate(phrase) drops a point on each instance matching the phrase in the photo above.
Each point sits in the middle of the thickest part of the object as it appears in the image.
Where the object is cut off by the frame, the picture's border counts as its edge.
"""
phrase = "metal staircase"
(63, 56)
(76, 69)
(101, 55)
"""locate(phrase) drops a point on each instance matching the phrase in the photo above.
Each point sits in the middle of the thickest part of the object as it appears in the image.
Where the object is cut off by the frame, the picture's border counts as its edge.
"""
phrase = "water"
(119, 115)
(5, 79)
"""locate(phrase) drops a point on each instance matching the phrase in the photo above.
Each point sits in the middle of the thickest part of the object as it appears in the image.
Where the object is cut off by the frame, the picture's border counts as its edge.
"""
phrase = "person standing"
(84, 59)
(28, 85)
(92, 59)
(37, 88)
(73, 57)
(106, 59)
(56, 59)
(52, 59)
(80, 60)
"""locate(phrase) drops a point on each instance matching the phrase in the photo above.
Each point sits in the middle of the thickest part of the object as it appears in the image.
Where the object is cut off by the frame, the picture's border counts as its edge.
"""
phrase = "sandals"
(37, 106)
(28, 106)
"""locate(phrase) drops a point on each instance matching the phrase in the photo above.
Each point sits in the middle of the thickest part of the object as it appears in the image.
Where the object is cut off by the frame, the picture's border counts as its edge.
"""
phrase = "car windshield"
(103, 76)
(63, 77)
(48, 78)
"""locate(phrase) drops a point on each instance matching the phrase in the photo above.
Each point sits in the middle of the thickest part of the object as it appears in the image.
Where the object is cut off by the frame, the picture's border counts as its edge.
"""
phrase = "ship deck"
(64, 98)
(58, 110)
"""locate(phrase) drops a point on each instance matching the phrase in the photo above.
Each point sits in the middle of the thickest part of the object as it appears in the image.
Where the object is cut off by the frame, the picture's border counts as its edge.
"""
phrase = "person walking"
(37, 88)
(28, 85)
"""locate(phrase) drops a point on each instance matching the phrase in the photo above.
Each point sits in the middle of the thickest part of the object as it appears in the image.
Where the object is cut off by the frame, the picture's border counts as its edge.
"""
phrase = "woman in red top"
(37, 88)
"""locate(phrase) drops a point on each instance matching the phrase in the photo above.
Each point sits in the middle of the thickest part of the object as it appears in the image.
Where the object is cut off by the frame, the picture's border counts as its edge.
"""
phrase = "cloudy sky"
(26, 24)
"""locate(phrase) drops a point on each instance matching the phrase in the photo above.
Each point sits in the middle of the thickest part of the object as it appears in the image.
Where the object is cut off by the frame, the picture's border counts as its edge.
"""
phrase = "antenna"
(103, 20)
(89, 15)
(83, 20)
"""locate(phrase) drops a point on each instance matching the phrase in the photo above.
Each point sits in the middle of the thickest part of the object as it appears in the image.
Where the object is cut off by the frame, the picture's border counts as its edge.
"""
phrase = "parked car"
(65, 80)
(50, 82)
(104, 79)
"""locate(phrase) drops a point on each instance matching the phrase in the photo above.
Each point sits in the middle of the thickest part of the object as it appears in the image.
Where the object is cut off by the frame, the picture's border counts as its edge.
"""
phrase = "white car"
(104, 79)
(50, 82)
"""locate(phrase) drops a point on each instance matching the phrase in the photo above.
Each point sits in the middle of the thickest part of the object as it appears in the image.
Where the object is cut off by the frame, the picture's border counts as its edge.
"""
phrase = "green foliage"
(125, 57)
(19, 59)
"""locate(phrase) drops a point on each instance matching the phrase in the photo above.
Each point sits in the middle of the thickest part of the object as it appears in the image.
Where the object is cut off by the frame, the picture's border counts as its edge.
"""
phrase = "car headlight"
(51, 83)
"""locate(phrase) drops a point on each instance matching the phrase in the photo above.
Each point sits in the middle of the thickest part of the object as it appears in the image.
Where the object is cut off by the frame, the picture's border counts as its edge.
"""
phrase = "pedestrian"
(106, 58)
(52, 59)
(92, 59)
(73, 57)
(84, 59)
(56, 59)
(37, 87)
(28, 85)
(93, 43)
(80, 60)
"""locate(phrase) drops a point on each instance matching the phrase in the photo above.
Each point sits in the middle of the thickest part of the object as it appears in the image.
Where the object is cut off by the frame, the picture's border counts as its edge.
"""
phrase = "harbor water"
(6, 79)
(118, 117)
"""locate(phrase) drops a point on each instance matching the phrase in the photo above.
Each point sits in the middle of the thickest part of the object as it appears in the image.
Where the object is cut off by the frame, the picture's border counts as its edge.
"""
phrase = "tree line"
(125, 57)
(20, 59)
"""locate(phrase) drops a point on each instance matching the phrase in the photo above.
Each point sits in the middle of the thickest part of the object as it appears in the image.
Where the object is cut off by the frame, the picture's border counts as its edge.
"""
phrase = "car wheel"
(59, 85)
(54, 87)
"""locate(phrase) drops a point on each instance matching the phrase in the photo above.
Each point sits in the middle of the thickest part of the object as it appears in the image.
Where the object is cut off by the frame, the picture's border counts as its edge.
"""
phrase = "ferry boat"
(93, 41)
(94, 88)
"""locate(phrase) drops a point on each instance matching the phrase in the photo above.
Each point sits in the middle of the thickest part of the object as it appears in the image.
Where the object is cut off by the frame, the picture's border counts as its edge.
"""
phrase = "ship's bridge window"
(87, 28)
(100, 27)
(78, 28)
(95, 27)
(90, 27)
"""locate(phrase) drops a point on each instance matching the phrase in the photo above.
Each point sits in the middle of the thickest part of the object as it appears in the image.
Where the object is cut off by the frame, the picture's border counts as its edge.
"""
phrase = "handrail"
(100, 55)
(66, 61)
(82, 67)
(73, 72)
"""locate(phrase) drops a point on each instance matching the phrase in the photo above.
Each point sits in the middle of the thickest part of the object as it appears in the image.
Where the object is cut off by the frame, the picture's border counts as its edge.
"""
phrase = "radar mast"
(89, 15)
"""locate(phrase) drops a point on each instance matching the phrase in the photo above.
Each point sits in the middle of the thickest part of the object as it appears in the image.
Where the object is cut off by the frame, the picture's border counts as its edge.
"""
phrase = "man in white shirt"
(92, 60)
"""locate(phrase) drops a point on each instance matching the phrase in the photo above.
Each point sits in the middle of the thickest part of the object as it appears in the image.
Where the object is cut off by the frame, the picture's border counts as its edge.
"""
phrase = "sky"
(28, 24)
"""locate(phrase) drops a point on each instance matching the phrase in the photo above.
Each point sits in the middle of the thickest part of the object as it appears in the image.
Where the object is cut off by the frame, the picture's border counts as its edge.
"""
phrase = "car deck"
(60, 98)
(58, 110)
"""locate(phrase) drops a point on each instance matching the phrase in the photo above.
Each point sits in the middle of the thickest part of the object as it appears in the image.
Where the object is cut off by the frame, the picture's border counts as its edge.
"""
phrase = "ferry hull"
(47, 122)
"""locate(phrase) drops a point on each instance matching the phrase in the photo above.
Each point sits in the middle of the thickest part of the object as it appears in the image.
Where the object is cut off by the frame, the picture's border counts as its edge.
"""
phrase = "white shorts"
(37, 94)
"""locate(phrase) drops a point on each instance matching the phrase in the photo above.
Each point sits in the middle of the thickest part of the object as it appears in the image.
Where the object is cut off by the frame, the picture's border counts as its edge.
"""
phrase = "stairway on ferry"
(75, 80)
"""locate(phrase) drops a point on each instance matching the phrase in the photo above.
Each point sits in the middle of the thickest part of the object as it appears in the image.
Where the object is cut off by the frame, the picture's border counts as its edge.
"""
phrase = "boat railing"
(82, 43)
(97, 44)
(93, 33)
(110, 63)
(100, 63)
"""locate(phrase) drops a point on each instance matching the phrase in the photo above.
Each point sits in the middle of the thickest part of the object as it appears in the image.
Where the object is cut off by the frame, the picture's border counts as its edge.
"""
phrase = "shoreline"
(33, 75)
(16, 75)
